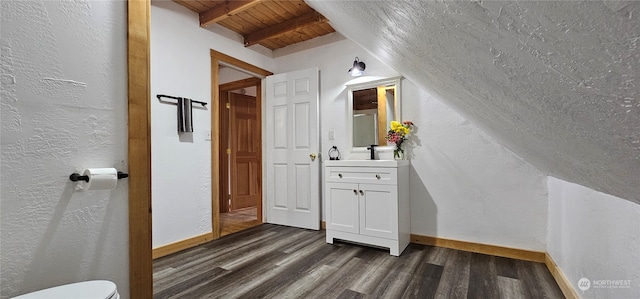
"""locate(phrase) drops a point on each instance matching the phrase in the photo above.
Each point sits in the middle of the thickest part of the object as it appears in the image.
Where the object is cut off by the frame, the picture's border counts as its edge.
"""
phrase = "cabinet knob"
(355, 192)
(361, 193)
(377, 176)
(340, 175)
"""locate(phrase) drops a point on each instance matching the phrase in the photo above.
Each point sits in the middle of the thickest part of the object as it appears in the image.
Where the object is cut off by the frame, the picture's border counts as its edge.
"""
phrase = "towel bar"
(160, 96)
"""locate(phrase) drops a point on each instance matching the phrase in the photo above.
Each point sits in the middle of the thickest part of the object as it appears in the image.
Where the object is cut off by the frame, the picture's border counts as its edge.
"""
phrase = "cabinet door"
(378, 210)
(342, 207)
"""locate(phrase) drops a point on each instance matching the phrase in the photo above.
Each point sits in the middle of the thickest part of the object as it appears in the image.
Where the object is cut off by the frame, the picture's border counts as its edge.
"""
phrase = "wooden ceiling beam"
(284, 27)
(226, 9)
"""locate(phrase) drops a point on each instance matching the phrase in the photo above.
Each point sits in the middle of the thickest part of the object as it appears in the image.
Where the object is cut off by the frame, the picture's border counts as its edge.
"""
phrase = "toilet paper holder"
(77, 177)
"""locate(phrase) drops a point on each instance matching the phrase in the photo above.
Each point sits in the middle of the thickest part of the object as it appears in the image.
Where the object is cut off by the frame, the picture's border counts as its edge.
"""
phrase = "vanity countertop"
(366, 163)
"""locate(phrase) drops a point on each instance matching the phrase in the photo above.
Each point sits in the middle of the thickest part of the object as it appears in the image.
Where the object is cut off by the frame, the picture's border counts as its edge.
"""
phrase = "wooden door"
(293, 142)
(246, 151)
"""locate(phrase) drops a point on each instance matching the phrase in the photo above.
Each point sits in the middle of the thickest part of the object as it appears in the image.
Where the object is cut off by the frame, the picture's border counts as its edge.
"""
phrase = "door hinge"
(228, 105)
(228, 151)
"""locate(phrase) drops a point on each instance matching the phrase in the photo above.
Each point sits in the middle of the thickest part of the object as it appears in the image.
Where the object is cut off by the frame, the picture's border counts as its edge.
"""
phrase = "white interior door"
(292, 129)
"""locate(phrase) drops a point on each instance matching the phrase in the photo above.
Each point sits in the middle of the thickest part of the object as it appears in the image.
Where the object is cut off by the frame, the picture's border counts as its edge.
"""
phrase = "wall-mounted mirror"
(372, 105)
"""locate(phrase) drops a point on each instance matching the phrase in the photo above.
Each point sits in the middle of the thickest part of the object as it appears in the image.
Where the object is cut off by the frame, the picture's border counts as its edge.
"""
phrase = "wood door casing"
(223, 156)
(218, 58)
(139, 149)
(246, 144)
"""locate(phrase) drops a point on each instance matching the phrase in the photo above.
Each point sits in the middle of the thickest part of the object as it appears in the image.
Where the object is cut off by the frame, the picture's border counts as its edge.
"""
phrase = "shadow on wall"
(412, 142)
(80, 214)
(42, 254)
(424, 212)
(102, 247)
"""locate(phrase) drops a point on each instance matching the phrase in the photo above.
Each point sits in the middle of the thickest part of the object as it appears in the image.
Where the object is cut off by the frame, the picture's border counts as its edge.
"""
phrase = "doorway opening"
(240, 152)
(236, 124)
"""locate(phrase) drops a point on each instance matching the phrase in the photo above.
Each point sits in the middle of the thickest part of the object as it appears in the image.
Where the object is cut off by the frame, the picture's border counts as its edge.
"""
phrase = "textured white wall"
(181, 164)
(464, 185)
(64, 107)
(595, 236)
(553, 81)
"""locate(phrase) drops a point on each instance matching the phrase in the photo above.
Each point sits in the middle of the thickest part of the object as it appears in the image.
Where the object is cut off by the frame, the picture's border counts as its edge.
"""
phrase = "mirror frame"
(365, 85)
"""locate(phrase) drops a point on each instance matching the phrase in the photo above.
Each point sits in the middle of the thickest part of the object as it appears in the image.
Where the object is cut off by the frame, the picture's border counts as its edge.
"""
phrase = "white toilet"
(93, 289)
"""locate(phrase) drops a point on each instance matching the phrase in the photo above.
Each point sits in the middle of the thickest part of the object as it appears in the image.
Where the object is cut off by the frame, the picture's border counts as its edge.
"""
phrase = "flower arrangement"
(397, 134)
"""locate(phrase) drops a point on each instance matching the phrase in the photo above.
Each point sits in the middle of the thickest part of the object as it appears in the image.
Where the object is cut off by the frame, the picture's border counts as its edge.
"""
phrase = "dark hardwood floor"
(270, 261)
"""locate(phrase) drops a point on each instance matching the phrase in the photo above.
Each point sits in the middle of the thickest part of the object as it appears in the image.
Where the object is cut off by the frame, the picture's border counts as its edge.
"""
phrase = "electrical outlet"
(332, 134)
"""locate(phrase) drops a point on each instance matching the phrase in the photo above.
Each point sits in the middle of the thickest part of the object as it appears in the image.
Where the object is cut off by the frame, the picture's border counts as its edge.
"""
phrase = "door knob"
(361, 193)
(355, 192)
(312, 156)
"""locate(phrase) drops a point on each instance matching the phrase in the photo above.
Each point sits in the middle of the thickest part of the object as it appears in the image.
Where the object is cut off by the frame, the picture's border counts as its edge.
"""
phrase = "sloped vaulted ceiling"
(557, 82)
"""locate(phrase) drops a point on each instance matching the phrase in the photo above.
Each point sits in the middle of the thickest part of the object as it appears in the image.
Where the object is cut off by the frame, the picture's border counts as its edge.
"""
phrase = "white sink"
(367, 163)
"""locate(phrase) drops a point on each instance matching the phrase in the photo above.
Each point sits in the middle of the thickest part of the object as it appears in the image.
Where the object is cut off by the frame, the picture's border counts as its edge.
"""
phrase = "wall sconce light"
(358, 68)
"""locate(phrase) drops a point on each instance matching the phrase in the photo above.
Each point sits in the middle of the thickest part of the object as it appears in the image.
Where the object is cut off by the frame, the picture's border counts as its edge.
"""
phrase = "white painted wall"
(181, 171)
(464, 185)
(595, 236)
(64, 108)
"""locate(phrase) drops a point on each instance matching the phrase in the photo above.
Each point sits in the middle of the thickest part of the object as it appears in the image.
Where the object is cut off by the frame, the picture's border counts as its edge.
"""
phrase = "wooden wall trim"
(215, 55)
(139, 149)
(216, 158)
(182, 245)
(260, 153)
(562, 281)
(521, 254)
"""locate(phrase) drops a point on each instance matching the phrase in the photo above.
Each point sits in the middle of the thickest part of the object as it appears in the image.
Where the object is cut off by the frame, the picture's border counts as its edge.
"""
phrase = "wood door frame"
(224, 142)
(218, 58)
(139, 142)
(224, 132)
(139, 149)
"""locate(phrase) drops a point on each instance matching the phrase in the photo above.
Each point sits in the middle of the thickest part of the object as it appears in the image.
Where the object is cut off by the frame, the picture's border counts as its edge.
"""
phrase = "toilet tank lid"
(93, 289)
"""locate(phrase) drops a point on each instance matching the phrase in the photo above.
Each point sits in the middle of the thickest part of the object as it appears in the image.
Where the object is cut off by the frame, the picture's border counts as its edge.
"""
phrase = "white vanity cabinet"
(368, 202)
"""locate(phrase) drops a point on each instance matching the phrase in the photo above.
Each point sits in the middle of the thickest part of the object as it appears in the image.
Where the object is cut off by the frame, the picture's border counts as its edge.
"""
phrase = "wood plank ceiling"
(272, 24)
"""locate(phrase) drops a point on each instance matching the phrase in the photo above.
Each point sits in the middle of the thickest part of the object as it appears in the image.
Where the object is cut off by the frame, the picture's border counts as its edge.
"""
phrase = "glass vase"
(398, 154)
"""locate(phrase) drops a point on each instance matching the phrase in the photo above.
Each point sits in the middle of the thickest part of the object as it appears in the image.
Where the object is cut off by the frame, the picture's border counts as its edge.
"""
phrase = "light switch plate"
(208, 135)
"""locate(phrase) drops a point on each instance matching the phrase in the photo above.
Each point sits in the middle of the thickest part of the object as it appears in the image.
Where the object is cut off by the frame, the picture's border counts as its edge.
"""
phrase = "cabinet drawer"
(371, 175)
